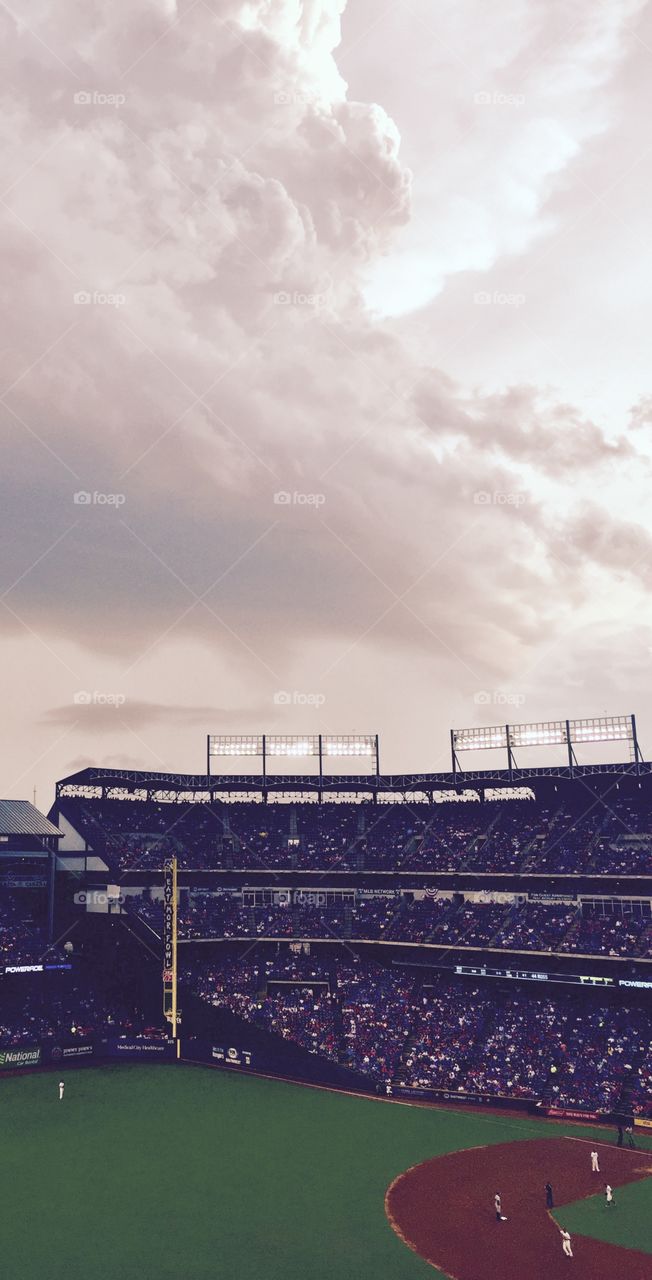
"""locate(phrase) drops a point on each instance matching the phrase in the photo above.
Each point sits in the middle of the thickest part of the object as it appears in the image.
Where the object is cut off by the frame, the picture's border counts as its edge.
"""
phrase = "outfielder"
(61, 1089)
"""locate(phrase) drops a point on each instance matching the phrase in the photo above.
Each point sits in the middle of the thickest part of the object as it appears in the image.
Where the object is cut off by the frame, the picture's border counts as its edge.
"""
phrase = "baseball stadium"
(277, 1024)
(326, 432)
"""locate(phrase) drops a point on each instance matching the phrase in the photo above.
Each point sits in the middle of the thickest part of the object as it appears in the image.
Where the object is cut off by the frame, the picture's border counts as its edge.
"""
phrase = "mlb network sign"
(12, 1059)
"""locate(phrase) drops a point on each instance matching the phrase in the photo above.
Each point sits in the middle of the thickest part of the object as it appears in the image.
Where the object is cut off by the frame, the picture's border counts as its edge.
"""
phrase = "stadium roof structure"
(96, 783)
(21, 818)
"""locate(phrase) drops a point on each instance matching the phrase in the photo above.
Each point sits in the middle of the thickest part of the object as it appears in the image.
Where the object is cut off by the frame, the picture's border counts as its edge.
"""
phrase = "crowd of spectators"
(528, 1047)
(517, 835)
(377, 1016)
(23, 931)
(303, 1013)
(65, 1007)
(548, 927)
(449, 1035)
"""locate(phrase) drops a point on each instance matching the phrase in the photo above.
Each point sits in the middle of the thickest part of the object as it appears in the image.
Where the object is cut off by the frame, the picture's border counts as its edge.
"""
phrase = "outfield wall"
(217, 1028)
(229, 1052)
(87, 1052)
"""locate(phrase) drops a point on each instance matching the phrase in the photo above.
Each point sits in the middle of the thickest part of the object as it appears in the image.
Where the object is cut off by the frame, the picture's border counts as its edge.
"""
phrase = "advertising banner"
(59, 1054)
(168, 917)
(567, 1113)
(140, 1048)
(465, 1099)
(14, 1059)
(232, 1057)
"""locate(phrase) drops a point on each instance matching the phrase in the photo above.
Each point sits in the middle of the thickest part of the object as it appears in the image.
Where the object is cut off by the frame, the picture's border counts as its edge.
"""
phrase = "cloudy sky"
(325, 401)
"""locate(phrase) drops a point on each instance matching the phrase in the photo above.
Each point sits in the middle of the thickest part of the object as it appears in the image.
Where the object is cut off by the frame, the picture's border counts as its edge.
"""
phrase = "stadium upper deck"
(565, 829)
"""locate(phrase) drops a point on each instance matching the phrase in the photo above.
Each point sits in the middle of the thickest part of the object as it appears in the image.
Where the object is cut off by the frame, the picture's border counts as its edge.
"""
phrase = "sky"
(325, 400)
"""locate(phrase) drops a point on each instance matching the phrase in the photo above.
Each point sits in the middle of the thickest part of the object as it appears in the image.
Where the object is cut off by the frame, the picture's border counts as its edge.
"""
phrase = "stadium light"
(545, 733)
(360, 745)
(234, 745)
(292, 746)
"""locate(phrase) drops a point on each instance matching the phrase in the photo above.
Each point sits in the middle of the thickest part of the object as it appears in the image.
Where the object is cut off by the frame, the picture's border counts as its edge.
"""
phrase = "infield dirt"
(444, 1210)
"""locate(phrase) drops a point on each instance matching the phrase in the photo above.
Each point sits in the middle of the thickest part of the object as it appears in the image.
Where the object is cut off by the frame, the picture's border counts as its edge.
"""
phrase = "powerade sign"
(34, 968)
(13, 1059)
(232, 1057)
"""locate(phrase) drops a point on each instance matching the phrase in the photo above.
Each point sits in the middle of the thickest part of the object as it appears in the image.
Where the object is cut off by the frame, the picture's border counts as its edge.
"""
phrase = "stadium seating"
(566, 929)
(447, 1035)
(23, 932)
(496, 836)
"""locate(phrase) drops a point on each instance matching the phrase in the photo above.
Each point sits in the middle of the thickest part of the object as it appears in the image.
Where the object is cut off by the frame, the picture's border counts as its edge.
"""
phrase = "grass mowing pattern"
(628, 1223)
(161, 1172)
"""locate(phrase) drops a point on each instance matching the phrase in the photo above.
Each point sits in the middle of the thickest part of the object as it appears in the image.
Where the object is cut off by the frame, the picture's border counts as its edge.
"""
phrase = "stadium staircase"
(530, 852)
(400, 1068)
(227, 844)
(596, 845)
(412, 846)
(477, 844)
(358, 849)
(446, 916)
(294, 843)
(645, 943)
(572, 930)
(542, 840)
(510, 911)
(338, 1024)
(397, 917)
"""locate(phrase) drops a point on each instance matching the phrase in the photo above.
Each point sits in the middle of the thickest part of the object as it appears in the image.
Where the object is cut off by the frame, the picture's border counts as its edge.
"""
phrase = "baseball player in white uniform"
(608, 1195)
(61, 1089)
(566, 1243)
(595, 1167)
(498, 1206)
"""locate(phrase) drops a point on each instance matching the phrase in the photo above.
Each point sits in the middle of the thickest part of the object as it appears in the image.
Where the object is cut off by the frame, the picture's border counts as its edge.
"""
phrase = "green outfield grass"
(628, 1223)
(157, 1172)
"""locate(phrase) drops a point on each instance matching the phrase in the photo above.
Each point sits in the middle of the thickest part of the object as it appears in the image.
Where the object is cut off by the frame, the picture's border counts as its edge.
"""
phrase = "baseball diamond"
(440, 1209)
